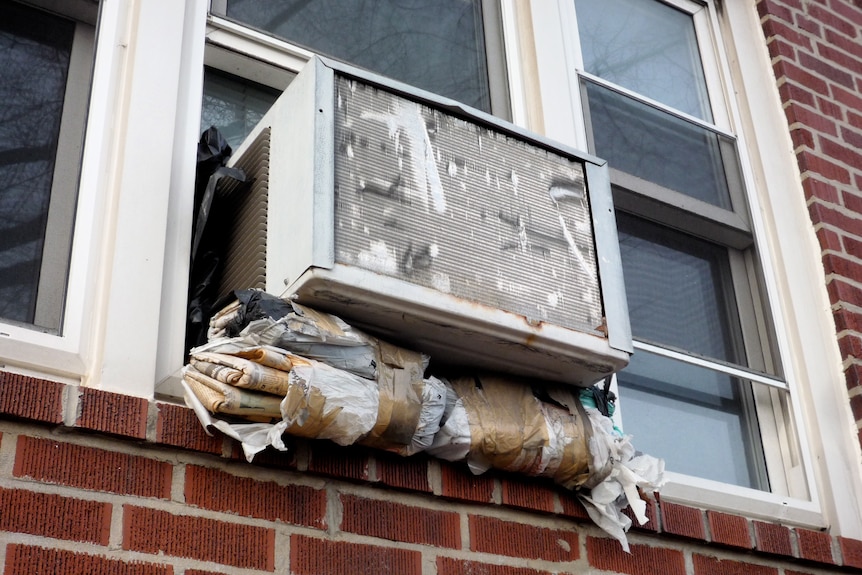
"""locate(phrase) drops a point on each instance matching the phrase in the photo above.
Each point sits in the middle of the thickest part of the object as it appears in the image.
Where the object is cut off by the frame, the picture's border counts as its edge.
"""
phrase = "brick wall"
(97, 483)
(816, 50)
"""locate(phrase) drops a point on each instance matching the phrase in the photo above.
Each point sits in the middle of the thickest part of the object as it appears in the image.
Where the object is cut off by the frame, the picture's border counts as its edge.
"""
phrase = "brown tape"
(507, 427)
(268, 356)
(306, 407)
(572, 468)
(400, 384)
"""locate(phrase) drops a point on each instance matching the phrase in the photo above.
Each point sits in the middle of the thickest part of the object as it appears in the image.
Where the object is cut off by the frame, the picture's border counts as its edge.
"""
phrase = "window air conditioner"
(434, 225)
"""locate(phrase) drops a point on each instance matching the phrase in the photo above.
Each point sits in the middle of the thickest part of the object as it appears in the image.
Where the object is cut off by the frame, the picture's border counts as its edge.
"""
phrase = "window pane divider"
(715, 365)
(657, 105)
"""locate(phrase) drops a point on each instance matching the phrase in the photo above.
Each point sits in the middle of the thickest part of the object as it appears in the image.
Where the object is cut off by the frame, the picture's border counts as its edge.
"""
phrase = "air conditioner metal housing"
(432, 224)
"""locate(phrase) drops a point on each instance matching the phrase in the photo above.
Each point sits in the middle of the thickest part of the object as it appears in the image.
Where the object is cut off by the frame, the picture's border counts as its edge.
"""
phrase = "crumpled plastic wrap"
(268, 320)
(291, 370)
(399, 412)
(499, 423)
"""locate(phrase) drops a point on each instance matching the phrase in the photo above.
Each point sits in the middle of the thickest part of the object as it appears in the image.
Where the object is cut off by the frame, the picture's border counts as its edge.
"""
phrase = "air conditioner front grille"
(451, 205)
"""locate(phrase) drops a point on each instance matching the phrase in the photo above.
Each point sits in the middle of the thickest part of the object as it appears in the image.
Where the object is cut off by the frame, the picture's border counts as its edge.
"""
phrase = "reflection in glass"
(233, 105)
(677, 288)
(34, 61)
(658, 147)
(647, 47)
(438, 46)
(692, 417)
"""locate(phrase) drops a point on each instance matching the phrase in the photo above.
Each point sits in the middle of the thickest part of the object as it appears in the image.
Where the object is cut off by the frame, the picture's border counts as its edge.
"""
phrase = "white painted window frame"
(794, 277)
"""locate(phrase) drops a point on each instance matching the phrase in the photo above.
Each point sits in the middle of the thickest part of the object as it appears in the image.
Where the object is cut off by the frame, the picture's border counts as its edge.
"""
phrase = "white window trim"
(29, 350)
(805, 334)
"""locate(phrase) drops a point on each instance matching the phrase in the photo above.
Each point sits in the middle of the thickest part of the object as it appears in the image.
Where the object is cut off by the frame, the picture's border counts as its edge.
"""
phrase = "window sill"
(750, 503)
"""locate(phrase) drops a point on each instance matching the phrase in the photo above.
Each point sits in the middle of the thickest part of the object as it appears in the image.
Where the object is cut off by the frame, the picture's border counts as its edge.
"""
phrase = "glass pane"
(647, 47)
(692, 417)
(678, 290)
(438, 46)
(34, 60)
(234, 105)
(656, 146)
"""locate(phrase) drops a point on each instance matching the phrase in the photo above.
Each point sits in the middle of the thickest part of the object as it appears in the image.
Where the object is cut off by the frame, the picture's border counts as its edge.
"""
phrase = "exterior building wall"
(816, 50)
(96, 482)
(99, 482)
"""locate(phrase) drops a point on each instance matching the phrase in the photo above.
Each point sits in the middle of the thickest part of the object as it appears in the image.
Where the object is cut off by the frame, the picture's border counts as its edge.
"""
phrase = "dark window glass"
(437, 46)
(697, 419)
(647, 47)
(678, 289)
(34, 61)
(234, 105)
(658, 147)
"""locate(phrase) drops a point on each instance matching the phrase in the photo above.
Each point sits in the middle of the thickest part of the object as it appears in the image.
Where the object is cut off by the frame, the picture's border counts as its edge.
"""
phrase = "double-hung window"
(46, 51)
(452, 48)
(704, 389)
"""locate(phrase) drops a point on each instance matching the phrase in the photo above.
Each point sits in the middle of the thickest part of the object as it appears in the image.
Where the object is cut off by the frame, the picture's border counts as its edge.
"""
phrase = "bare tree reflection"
(34, 59)
(438, 46)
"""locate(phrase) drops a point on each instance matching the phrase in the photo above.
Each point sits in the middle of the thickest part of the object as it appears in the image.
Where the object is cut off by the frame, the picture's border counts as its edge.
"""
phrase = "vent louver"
(437, 226)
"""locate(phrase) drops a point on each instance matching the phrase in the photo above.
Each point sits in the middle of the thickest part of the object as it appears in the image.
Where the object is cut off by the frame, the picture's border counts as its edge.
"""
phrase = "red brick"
(30, 560)
(841, 152)
(854, 246)
(608, 555)
(31, 398)
(449, 566)
(154, 531)
(815, 546)
(832, 20)
(841, 291)
(199, 572)
(54, 516)
(798, 115)
(856, 407)
(309, 556)
(772, 538)
(712, 566)
(341, 462)
(399, 522)
(682, 520)
(774, 9)
(851, 550)
(728, 529)
(113, 413)
(827, 214)
(572, 507)
(853, 376)
(782, 52)
(850, 99)
(809, 162)
(459, 483)
(778, 29)
(846, 268)
(847, 320)
(492, 535)
(403, 473)
(829, 240)
(651, 514)
(849, 11)
(852, 138)
(825, 69)
(808, 25)
(535, 496)
(802, 138)
(179, 427)
(91, 468)
(220, 491)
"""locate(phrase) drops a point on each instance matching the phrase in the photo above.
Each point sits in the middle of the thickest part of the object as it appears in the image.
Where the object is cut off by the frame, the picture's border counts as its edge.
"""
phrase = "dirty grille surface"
(447, 204)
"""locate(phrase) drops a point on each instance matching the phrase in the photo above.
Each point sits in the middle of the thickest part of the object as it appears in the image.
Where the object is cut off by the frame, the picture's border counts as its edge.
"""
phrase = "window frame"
(53, 343)
(558, 95)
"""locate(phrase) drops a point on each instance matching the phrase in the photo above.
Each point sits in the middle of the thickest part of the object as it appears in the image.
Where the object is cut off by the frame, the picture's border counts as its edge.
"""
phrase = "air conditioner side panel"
(299, 231)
